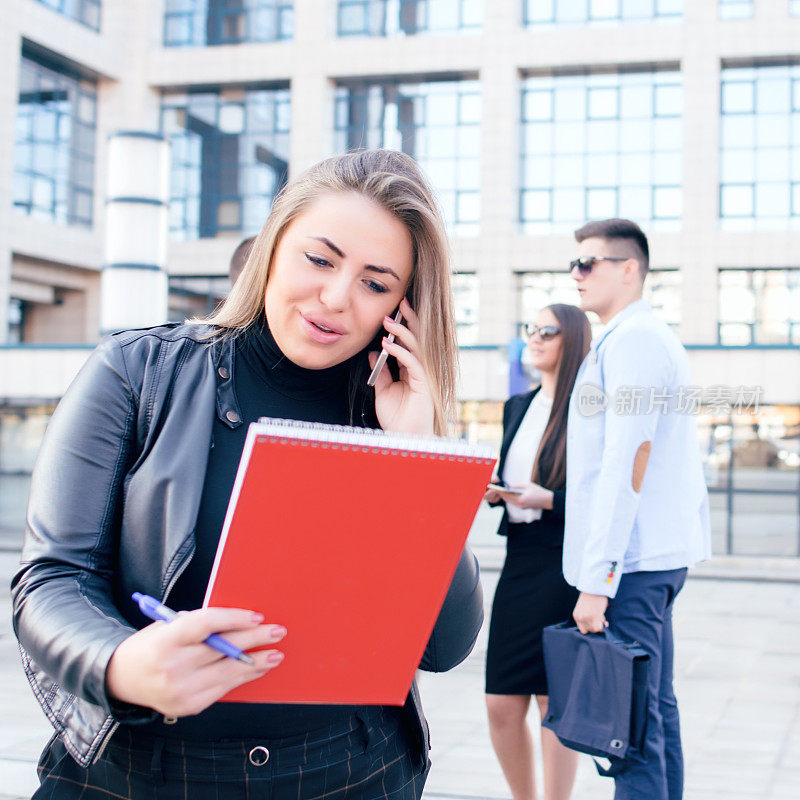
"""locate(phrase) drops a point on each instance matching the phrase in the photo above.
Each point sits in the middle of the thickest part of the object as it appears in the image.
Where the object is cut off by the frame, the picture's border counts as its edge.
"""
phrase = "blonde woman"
(134, 477)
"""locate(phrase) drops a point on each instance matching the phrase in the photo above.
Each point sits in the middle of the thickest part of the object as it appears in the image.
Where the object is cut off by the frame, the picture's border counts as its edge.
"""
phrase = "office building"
(529, 116)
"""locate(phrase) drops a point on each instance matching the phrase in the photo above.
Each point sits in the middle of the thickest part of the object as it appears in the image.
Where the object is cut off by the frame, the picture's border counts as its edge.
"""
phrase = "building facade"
(529, 117)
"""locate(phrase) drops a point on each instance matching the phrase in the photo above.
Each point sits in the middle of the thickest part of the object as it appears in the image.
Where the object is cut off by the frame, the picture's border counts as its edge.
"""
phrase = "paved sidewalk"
(737, 678)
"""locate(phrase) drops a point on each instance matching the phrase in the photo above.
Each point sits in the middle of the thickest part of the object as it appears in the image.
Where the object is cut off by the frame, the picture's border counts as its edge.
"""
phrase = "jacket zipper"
(178, 572)
(104, 743)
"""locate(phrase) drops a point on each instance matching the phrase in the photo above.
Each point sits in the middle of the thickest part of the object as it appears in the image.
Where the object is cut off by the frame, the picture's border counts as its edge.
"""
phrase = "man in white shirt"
(637, 505)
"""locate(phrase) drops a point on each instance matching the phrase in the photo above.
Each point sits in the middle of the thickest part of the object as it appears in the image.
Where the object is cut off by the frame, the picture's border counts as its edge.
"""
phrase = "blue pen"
(151, 608)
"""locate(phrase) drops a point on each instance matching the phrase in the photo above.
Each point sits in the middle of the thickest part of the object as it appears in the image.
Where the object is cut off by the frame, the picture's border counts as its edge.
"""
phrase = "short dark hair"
(239, 258)
(619, 229)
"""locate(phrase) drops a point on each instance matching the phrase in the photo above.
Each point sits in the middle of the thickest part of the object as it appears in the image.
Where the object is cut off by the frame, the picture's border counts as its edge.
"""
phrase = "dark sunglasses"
(546, 332)
(584, 264)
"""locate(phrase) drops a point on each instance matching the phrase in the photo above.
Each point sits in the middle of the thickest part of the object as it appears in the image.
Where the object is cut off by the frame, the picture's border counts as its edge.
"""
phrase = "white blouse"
(524, 446)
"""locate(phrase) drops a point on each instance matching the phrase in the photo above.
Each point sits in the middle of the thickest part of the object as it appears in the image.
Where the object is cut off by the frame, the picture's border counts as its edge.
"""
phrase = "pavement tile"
(719, 777)
(18, 779)
(784, 791)
(737, 680)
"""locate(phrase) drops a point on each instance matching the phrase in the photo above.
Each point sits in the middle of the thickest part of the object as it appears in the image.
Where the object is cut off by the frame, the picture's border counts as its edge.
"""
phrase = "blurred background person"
(531, 592)
(239, 258)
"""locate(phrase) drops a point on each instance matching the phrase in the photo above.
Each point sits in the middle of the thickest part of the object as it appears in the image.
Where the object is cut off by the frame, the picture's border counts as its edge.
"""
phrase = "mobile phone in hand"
(376, 370)
(502, 487)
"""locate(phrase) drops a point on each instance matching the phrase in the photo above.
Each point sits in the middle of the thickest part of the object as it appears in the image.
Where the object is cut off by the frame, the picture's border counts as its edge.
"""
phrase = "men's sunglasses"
(546, 332)
(584, 264)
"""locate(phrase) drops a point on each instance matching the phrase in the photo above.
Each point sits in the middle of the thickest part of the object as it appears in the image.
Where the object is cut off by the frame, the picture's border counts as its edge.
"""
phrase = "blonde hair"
(394, 182)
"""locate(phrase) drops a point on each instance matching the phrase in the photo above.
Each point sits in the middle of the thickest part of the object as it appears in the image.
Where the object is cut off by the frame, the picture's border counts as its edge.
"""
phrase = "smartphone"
(503, 488)
(379, 365)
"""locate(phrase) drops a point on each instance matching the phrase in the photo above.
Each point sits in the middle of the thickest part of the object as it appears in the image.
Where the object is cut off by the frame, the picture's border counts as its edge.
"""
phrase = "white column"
(500, 164)
(133, 288)
(312, 92)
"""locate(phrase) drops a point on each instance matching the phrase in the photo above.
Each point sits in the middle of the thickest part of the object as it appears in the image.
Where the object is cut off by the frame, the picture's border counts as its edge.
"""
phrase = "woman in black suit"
(532, 592)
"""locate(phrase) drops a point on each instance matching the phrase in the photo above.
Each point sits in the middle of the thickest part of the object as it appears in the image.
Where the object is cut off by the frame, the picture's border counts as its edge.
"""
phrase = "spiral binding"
(370, 439)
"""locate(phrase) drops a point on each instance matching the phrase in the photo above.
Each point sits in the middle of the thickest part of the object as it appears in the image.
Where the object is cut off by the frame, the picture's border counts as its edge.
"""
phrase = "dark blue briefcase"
(597, 687)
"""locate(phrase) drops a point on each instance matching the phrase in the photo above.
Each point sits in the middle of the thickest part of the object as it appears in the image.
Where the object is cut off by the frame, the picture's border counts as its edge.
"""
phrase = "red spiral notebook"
(349, 537)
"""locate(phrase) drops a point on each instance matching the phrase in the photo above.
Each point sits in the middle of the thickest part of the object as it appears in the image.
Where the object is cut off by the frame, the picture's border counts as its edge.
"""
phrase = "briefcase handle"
(606, 634)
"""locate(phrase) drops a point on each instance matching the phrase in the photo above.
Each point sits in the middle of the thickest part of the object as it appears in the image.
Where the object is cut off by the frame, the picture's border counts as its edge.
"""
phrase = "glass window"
(87, 12)
(737, 200)
(408, 17)
(662, 289)
(759, 306)
(55, 141)
(759, 147)
(16, 321)
(192, 23)
(535, 290)
(21, 431)
(436, 122)
(465, 292)
(621, 157)
(603, 102)
(738, 97)
(600, 12)
(735, 9)
(738, 165)
(230, 152)
(668, 100)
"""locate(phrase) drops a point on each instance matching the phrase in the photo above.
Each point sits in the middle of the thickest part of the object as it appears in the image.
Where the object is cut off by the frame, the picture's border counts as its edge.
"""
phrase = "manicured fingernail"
(256, 617)
(274, 658)
(278, 631)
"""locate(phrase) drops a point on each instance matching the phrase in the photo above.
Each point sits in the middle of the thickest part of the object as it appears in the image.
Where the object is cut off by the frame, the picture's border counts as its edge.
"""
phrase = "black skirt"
(530, 595)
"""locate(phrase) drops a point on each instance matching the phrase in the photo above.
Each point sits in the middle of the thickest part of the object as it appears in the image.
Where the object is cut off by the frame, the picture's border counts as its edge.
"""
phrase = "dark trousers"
(356, 760)
(642, 612)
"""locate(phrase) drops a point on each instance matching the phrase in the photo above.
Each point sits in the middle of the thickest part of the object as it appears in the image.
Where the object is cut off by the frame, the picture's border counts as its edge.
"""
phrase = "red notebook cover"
(350, 539)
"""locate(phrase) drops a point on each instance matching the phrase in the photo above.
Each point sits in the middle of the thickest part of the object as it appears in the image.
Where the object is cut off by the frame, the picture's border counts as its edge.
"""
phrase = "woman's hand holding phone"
(404, 405)
(492, 495)
(529, 495)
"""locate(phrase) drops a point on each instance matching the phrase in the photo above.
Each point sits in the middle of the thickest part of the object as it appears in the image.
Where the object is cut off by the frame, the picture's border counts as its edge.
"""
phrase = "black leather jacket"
(113, 504)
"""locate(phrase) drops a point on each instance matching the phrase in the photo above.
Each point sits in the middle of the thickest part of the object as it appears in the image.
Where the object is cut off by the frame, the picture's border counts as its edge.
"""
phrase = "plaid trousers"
(368, 757)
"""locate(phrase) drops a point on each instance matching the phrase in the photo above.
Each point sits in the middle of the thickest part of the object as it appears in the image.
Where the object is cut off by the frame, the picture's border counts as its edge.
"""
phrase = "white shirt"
(637, 366)
(518, 466)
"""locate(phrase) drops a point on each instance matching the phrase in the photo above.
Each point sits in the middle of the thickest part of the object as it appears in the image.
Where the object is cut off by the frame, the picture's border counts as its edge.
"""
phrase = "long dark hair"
(550, 464)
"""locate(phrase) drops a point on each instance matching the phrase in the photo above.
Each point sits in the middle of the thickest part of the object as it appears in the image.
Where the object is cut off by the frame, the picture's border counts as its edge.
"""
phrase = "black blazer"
(551, 524)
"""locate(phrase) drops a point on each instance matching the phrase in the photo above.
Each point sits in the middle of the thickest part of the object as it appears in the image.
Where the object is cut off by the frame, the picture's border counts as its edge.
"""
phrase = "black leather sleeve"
(460, 619)
(63, 610)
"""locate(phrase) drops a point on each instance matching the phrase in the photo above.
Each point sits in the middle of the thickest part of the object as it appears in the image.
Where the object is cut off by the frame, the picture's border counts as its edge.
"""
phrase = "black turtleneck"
(267, 384)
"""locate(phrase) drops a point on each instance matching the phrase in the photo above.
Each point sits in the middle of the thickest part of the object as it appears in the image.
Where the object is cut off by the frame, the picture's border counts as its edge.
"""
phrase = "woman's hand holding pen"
(404, 405)
(167, 666)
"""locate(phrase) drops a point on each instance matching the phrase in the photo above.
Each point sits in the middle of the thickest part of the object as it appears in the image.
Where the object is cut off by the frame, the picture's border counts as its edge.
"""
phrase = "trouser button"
(259, 756)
